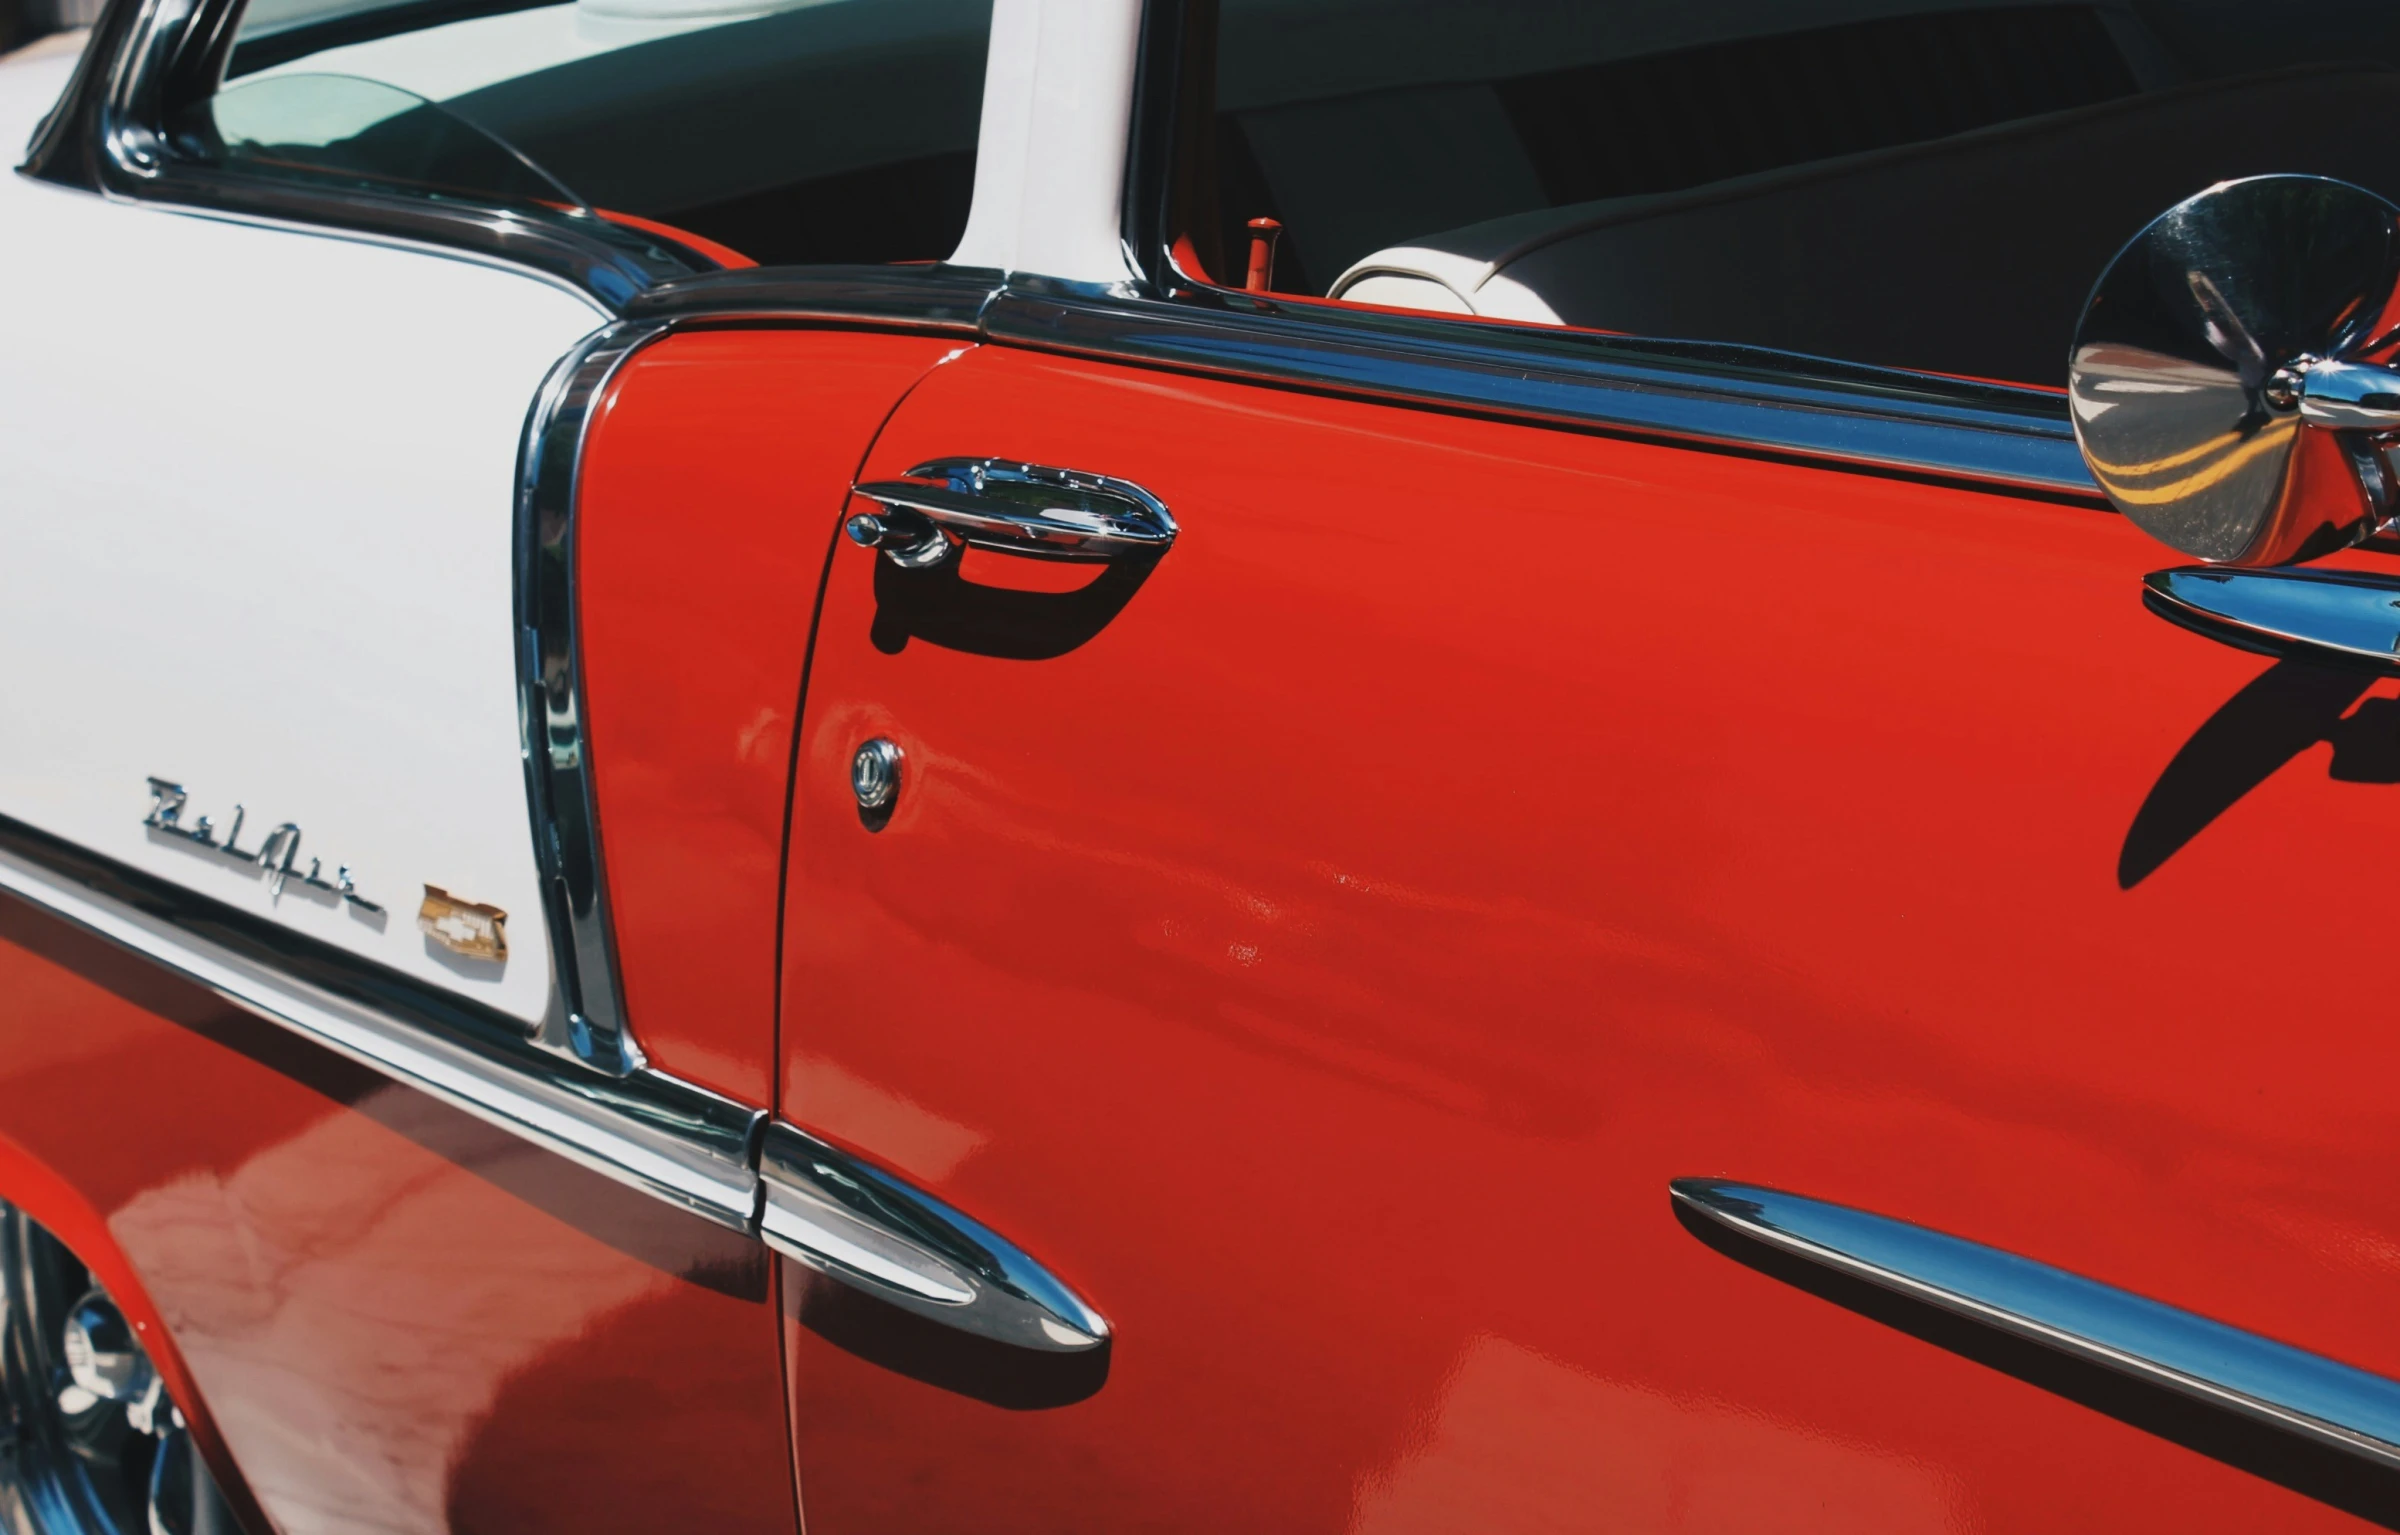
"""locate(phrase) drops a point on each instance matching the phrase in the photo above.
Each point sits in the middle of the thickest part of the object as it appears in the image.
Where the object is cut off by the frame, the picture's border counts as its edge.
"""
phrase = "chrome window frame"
(148, 60)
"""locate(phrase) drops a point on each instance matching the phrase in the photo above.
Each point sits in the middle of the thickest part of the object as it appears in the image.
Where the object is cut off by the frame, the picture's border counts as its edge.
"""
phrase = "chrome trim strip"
(2324, 615)
(938, 297)
(65, 148)
(1179, 41)
(668, 1138)
(589, 1024)
(665, 1137)
(1732, 396)
(604, 263)
(857, 1223)
(2306, 1394)
(417, 245)
(1743, 398)
(148, 59)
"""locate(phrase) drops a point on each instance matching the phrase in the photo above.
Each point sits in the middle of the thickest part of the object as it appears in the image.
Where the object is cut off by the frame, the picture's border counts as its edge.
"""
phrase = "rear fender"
(38, 1189)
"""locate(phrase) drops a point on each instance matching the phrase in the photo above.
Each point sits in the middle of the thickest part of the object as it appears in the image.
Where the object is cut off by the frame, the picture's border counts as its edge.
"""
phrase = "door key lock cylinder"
(875, 781)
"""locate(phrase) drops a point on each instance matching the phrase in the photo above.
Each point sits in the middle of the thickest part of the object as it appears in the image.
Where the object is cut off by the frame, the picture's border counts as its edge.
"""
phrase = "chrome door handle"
(993, 503)
(2338, 615)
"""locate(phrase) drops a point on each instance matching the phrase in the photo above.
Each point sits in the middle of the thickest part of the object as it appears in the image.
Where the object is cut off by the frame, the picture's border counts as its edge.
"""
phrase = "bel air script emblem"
(278, 853)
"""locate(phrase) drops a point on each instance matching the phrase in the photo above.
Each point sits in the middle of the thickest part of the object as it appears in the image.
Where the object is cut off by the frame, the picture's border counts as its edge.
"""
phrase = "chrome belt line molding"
(2288, 1388)
(1721, 395)
(666, 1137)
(1811, 408)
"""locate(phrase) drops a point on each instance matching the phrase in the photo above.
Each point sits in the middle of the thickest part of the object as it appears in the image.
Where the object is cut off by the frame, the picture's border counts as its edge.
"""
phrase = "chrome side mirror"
(2229, 379)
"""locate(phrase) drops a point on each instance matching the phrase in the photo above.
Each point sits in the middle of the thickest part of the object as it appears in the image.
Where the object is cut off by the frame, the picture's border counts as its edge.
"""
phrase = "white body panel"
(1050, 157)
(256, 511)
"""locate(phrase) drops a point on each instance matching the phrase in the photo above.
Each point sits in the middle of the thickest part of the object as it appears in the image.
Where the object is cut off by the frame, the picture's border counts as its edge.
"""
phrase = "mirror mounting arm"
(2347, 396)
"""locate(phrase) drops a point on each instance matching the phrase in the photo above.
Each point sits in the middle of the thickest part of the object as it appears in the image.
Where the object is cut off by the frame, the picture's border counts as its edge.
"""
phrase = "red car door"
(1322, 944)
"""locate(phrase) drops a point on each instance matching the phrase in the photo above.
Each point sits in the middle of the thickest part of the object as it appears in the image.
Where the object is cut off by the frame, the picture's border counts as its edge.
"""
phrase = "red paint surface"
(1465, 830)
(712, 481)
(722, 255)
(392, 1315)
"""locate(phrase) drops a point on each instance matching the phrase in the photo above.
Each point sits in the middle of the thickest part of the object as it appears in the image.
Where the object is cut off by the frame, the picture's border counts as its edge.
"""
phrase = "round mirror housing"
(2228, 381)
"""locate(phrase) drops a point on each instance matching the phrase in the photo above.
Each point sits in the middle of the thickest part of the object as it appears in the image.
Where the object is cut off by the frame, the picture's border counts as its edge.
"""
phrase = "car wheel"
(93, 1445)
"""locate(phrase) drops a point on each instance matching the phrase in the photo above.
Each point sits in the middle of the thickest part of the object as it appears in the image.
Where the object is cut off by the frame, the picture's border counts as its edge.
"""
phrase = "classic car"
(1269, 765)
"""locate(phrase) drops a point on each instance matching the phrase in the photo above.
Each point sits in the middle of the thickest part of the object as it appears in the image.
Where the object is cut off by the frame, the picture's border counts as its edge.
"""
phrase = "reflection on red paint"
(698, 575)
(1468, 828)
(355, 1279)
(1521, 1442)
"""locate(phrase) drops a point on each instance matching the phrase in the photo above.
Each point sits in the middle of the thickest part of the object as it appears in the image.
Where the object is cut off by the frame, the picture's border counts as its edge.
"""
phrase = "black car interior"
(1923, 186)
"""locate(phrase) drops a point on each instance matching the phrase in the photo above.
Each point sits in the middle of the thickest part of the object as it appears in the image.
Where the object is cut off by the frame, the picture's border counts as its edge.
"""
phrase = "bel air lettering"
(278, 852)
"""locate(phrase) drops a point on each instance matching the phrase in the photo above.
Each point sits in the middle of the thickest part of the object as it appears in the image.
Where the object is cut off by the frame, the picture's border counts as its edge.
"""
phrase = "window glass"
(1911, 183)
(821, 131)
(343, 128)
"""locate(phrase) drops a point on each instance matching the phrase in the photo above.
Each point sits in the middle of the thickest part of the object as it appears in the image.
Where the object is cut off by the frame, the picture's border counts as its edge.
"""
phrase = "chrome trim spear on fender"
(866, 1228)
(663, 1136)
(671, 1139)
(2287, 1388)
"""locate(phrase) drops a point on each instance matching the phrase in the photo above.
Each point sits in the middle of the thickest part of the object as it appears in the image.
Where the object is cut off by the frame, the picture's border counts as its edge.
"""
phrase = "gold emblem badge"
(463, 927)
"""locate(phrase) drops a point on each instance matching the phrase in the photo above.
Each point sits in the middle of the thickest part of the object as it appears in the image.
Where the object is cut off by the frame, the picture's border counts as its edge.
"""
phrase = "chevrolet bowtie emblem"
(463, 927)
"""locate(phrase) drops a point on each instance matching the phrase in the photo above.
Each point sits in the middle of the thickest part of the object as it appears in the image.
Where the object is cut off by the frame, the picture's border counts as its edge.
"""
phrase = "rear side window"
(1932, 186)
(822, 131)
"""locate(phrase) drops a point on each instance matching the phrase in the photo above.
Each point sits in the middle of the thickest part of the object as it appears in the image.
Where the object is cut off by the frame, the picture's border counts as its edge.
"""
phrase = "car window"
(821, 131)
(1910, 183)
(345, 129)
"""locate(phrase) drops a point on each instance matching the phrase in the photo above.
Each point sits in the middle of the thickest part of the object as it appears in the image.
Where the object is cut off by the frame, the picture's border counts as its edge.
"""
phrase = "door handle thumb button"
(875, 782)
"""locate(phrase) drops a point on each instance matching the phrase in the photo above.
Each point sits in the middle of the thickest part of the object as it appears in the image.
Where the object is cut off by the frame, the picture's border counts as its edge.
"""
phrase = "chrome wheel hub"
(93, 1446)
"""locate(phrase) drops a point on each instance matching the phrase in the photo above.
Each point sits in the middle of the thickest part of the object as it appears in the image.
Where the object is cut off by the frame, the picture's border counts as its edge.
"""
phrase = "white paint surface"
(255, 536)
(1050, 160)
(256, 499)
